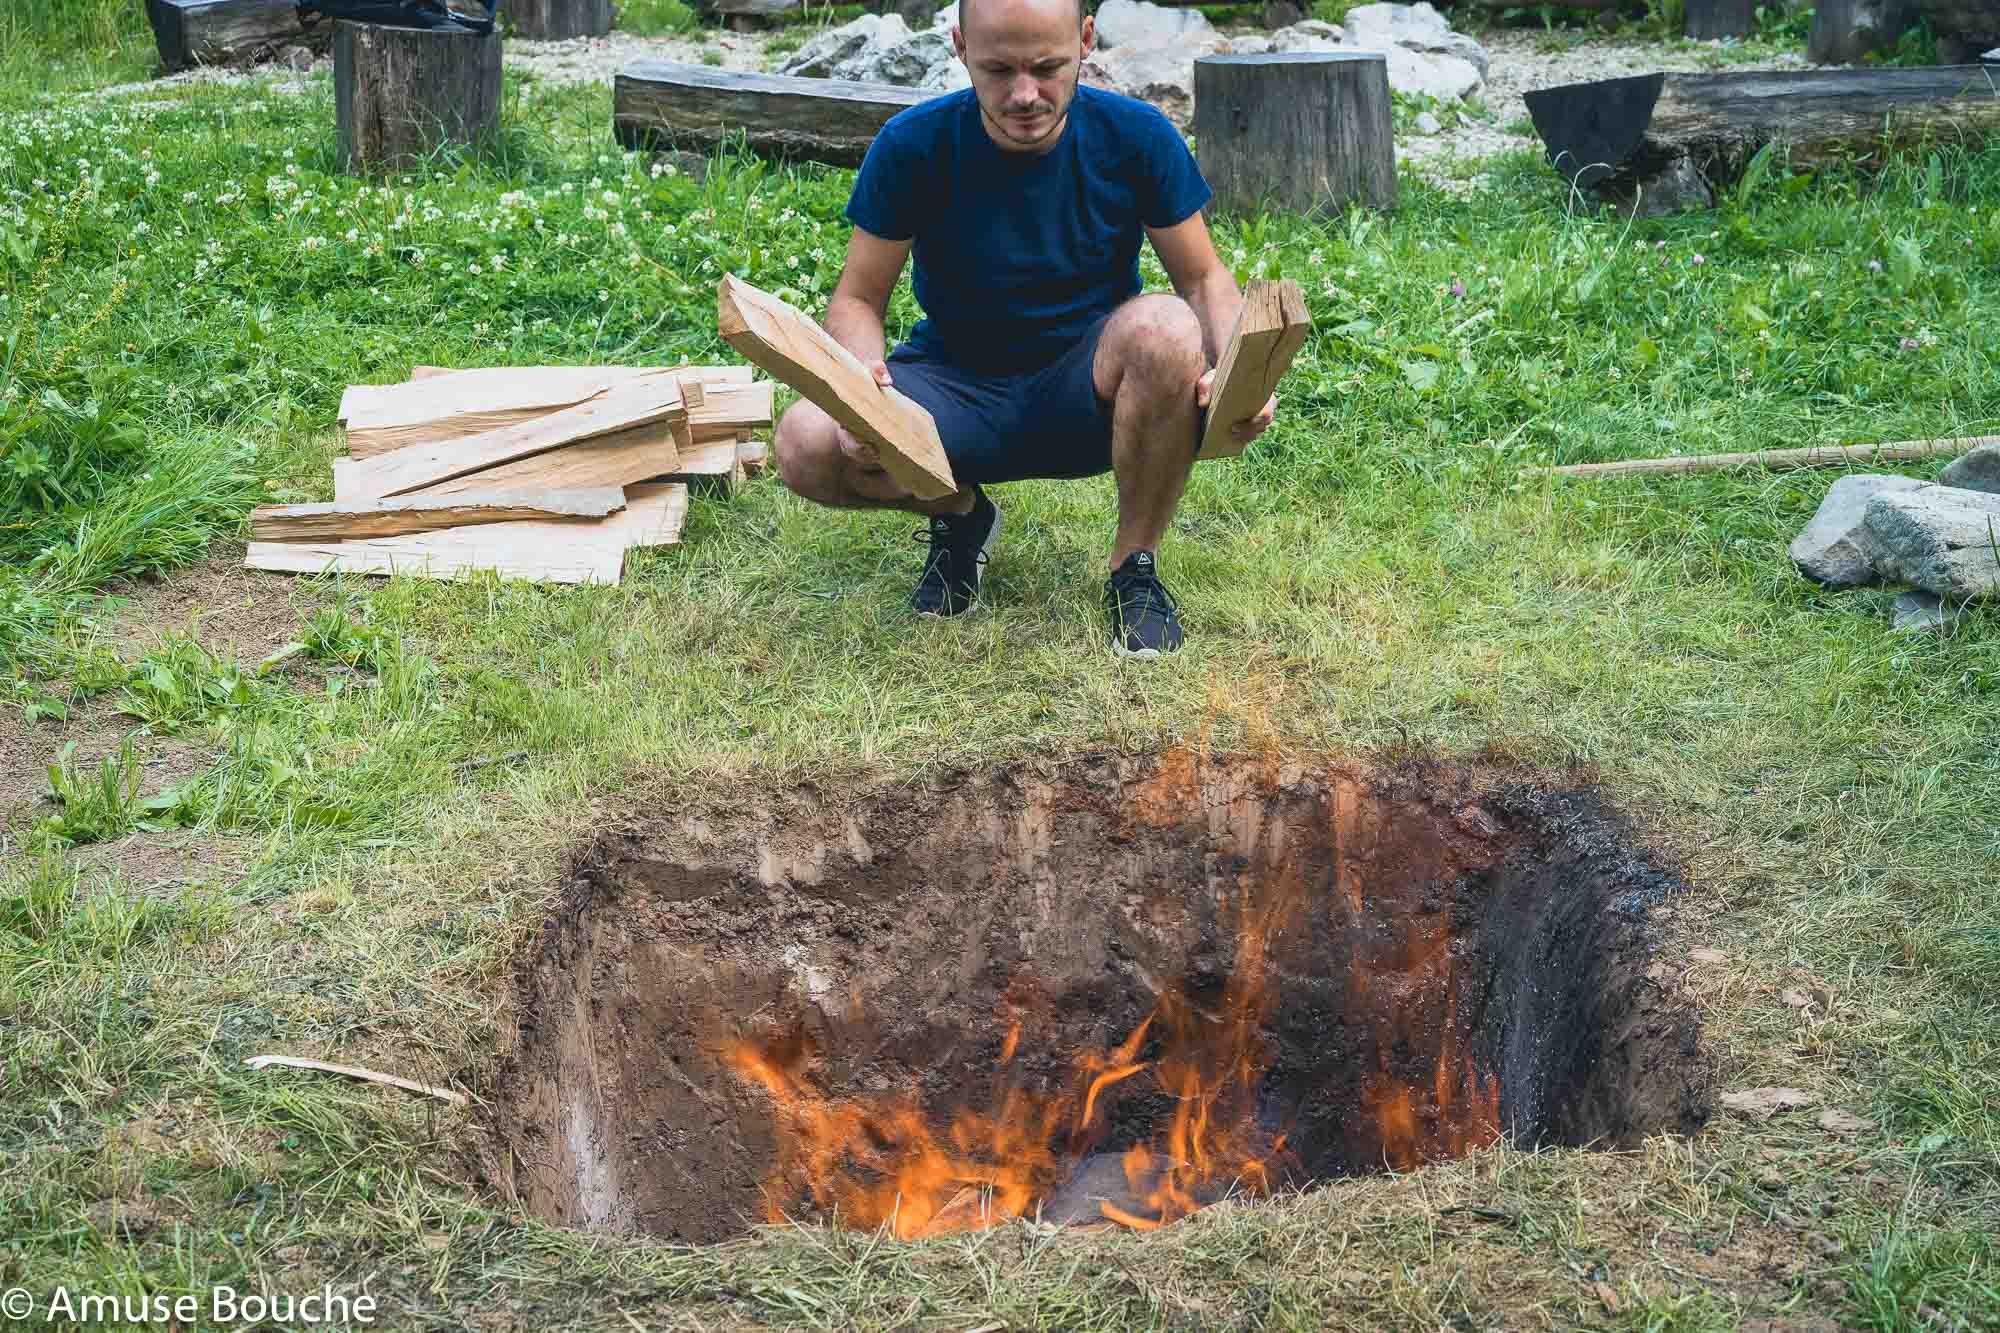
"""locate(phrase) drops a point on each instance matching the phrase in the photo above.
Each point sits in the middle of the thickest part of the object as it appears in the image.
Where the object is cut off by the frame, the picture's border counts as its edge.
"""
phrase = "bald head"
(1013, 13)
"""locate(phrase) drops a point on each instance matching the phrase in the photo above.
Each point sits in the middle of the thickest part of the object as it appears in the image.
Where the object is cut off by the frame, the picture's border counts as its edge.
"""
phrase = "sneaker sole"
(1140, 654)
(978, 577)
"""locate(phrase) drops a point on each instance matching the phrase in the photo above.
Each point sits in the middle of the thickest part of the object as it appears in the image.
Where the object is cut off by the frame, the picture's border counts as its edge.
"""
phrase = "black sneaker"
(1144, 622)
(959, 543)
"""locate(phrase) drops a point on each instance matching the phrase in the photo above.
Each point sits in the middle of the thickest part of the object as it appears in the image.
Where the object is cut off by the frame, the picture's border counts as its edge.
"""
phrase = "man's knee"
(805, 450)
(1158, 338)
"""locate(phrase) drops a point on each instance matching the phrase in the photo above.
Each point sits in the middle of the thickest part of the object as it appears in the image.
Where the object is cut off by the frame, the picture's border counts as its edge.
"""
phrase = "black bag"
(398, 14)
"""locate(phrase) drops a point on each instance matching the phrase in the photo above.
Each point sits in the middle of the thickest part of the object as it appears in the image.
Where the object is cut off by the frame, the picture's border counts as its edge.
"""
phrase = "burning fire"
(882, 1162)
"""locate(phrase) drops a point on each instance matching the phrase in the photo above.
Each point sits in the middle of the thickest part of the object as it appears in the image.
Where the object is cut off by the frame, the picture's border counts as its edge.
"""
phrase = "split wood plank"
(610, 460)
(528, 549)
(794, 349)
(1901, 451)
(639, 401)
(448, 407)
(731, 409)
(712, 467)
(667, 502)
(1271, 327)
(422, 513)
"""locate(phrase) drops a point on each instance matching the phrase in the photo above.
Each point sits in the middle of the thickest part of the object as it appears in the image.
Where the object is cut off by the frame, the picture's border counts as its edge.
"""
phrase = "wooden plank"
(487, 389)
(528, 549)
(610, 460)
(639, 401)
(794, 349)
(730, 410)
(668, 502)
(1827, 456)
(1271, 326)
(712, 468)
(422, 513)
(707, 374)
(661, 104)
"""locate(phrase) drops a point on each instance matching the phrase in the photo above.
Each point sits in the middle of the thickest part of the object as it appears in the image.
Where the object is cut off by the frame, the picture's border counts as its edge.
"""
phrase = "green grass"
(1378, 571)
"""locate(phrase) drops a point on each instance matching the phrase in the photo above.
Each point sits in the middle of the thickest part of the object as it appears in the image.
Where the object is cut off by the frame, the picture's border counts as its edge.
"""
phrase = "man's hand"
(860, 452)
(1247, 429)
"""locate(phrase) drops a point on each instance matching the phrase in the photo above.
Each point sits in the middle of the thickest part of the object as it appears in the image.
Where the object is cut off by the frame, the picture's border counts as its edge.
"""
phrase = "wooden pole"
(1821, 456)
(559, 20)
(1708, 19)
(1302, 131)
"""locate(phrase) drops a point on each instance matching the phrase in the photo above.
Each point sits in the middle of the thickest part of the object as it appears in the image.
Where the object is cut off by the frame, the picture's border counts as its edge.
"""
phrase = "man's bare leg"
(806, 446)
(1147, 363)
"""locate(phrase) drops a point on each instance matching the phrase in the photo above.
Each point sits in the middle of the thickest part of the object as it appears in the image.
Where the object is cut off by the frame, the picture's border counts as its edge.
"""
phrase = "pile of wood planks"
(536, 472)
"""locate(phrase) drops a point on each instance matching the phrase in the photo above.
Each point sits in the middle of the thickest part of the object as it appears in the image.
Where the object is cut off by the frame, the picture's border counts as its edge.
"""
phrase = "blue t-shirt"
(1015, 254)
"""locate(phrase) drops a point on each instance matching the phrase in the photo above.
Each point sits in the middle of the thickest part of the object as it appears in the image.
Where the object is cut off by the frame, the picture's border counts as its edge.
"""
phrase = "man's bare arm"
(1200, 278)
(854, 311)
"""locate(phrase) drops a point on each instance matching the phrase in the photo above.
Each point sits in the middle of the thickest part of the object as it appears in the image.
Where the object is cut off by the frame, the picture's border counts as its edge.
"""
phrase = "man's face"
(1024, 57)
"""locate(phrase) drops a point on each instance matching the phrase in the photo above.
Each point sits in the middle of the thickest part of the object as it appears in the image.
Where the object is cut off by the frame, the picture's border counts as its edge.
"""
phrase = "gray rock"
(907, 63)
(1251, 44)
(946, 17)
(1676, 188)
(1978, 470)
(1835, 548)
(841, 52)
(1427, 123)
(1916, 612)
(1943, 539)
(1418, 28)
(1311, 35)
(1446, 78)
(1137, 23)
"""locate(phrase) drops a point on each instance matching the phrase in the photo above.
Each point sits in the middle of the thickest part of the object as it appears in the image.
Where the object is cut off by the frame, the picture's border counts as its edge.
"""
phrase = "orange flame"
(879, 1162)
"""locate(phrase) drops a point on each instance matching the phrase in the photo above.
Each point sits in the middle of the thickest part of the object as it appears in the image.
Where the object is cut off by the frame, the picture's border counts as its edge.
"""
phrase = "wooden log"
(399, 94)
(1705, 20)
(559, 20)
(423, 513)
(224, 32)
(1271, 327)
(1305, 131)
(1777, 459)
(658, 104)
(639, 401)
(798, 352)
(1617, 137)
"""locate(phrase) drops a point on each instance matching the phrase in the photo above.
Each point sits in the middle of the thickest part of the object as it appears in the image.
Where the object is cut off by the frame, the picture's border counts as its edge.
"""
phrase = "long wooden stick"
(1822, 456)
(352, 1071)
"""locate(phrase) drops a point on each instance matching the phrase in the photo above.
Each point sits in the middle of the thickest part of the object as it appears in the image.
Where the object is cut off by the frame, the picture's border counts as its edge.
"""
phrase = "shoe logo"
(1144, 559)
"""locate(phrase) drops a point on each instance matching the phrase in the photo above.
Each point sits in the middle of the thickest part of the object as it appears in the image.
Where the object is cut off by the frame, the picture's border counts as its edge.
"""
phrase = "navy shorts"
(1045, 423)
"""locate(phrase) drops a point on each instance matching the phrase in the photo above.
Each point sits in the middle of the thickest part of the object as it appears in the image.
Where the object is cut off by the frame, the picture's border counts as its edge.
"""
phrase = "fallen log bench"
(1658, 143)
(225, 32)
(662, 104)
(559, 20)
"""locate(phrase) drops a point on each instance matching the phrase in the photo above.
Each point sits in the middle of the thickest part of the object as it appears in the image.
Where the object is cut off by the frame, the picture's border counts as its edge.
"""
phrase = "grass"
(1377, 572)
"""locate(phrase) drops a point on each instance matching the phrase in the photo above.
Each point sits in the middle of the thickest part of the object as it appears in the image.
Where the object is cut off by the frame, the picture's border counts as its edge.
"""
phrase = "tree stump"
(1306, 131)
(1843, 31)
(559, 20)
(401, 93)
(1708, 19)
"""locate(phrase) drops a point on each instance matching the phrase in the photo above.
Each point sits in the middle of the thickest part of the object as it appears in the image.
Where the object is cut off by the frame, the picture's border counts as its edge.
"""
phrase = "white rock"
(844, 50)
(1161, 73)
(947, 76)
(1250, 44)
(1310, 35)
(1427, 123)
(946, 17)
(1442, 77)
(1417, 27)
(1136, 23)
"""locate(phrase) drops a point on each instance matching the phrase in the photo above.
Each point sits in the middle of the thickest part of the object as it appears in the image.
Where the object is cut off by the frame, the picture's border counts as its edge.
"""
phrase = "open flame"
(881, 1161)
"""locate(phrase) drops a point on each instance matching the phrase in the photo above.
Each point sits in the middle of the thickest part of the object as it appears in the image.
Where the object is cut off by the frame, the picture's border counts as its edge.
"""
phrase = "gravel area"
(1518, 63)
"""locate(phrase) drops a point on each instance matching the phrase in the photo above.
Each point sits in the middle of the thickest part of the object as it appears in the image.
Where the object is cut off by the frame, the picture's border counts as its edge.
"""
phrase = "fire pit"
(1106, 992)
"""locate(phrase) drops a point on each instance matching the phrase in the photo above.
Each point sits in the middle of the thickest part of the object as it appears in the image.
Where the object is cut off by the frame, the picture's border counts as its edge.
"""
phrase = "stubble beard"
(1060, 118)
